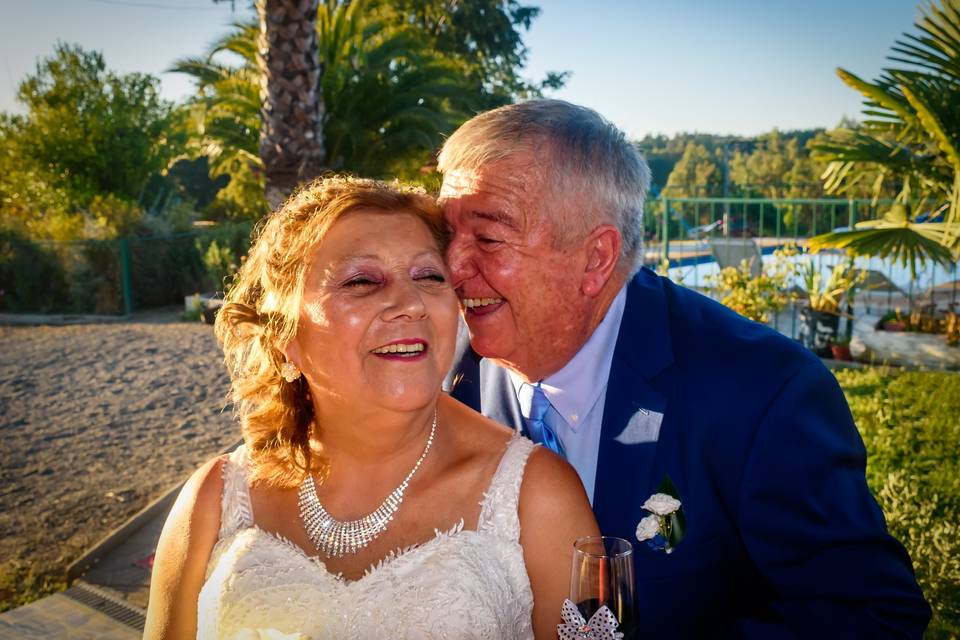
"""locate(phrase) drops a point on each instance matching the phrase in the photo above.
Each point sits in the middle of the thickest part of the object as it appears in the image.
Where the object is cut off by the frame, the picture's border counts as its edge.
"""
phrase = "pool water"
(929, 275)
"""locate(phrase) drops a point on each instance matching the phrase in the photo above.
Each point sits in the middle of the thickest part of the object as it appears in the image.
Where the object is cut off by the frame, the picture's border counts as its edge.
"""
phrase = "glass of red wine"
(603, 575)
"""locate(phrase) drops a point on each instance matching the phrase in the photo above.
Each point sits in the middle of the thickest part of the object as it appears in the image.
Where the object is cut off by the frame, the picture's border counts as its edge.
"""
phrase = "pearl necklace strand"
(336, 538)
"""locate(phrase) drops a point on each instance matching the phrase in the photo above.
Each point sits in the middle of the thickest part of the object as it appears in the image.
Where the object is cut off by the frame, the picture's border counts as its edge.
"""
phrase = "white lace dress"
(459, 584)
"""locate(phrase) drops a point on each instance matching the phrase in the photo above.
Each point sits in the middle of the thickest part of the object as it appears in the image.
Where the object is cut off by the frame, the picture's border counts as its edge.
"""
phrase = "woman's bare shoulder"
(184, 548)
(549, 483)
(197, 508)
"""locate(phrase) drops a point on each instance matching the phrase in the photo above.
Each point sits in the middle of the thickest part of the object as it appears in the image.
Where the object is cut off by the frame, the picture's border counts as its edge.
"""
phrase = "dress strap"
(498, 513)
(236, 511)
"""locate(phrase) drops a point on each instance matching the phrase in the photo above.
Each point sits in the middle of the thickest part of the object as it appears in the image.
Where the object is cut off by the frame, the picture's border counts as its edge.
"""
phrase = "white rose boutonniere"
(661, 504)
(648, 528)
(666, 525)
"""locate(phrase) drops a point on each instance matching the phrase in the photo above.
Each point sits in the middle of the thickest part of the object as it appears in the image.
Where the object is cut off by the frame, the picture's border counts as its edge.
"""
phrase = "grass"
(910, 423)
(20, 584)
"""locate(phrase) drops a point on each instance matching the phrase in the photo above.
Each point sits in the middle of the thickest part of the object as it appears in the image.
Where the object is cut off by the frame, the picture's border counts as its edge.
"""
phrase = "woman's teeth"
(401, 348)
(472, 303)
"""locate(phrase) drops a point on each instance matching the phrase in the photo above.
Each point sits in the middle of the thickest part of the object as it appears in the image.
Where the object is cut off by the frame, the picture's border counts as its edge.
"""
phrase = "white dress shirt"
(576, 394)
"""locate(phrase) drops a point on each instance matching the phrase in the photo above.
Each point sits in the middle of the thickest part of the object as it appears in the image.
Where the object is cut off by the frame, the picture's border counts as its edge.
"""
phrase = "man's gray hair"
(593, 174)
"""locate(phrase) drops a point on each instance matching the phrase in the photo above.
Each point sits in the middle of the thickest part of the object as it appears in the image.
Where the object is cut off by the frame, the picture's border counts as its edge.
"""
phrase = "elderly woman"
(364, 503)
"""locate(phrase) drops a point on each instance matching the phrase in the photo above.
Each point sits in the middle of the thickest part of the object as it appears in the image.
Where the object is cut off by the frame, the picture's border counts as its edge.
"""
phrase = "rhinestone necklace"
(336, 538)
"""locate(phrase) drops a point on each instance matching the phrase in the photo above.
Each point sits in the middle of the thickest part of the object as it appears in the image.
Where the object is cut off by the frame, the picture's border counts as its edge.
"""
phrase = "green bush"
(220, 263)
(87, 276)
(910, 426)
(21, 584)
(31, 277)
(163, 269)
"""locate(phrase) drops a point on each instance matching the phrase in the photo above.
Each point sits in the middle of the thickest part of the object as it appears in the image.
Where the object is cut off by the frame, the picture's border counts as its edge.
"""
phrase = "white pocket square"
(643, 428)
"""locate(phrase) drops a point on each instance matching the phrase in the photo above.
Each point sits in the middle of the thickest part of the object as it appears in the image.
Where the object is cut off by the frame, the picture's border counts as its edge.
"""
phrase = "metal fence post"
(125, 276)
(666, 229)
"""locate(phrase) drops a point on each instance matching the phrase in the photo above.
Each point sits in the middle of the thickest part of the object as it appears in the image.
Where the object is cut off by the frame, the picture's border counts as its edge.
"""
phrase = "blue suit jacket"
(783, 537)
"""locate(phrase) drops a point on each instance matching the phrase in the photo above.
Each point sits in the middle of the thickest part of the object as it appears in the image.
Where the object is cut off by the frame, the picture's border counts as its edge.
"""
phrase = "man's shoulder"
(709, 342)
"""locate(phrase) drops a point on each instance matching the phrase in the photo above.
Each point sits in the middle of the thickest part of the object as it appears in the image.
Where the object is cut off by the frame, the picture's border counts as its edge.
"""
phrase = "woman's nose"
(406, 301)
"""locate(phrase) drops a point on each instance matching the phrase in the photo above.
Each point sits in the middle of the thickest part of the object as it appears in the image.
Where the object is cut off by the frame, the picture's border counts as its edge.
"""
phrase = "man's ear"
(603, 254)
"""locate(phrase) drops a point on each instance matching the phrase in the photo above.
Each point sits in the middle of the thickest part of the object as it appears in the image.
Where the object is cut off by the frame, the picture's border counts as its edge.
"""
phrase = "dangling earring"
(289, 371)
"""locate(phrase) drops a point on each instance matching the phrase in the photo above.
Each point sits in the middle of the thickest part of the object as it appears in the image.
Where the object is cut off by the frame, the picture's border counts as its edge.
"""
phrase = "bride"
(364, 502)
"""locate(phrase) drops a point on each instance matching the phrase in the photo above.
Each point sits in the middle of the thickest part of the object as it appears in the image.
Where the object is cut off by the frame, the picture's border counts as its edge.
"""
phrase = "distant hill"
(663, 153)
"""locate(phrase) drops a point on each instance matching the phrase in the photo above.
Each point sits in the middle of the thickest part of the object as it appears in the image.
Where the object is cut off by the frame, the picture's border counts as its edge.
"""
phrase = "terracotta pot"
(841, 352)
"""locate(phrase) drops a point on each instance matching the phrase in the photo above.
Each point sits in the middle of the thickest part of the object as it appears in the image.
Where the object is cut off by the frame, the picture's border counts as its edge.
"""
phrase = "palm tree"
(911, 136)
(291, 105)
(388, 97)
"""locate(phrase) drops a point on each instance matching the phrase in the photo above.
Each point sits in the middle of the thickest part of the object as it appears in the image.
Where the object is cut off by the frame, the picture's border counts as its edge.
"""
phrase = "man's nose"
(460, 260)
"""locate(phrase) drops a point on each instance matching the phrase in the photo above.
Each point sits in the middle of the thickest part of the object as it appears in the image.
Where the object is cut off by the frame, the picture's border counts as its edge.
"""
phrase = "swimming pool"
(695, 271)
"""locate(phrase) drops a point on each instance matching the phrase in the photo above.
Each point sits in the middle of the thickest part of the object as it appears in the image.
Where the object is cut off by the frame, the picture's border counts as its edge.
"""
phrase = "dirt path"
(96, 421)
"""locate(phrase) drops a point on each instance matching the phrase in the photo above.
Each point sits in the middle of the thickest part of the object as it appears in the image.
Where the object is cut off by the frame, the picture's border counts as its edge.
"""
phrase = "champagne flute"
(603, 575)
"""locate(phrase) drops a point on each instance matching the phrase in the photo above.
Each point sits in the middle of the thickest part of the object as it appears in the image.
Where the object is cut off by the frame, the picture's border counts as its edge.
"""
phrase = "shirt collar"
(566, 389)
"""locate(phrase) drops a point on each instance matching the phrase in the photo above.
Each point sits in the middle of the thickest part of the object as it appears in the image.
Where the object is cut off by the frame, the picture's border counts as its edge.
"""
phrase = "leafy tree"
(484, 39)
(766, 166)
(88, 132)
(910, 137)
(783, 166)
(697, 171)
(97, 131)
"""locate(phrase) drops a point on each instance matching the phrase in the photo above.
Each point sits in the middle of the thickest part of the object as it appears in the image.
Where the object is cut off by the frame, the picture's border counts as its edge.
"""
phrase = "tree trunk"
(291, 101)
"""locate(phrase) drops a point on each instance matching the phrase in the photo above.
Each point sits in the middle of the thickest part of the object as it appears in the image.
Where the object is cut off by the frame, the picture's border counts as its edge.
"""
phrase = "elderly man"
(642, 385)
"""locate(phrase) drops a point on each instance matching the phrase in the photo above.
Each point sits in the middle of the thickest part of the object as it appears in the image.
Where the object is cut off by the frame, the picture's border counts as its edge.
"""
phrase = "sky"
(738, 67)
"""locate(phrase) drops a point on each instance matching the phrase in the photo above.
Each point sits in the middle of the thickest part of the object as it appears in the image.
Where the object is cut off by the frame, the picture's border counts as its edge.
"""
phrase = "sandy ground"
(95, 422)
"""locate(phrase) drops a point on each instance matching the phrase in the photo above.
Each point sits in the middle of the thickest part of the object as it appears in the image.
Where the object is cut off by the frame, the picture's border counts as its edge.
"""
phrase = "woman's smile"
(403, 350)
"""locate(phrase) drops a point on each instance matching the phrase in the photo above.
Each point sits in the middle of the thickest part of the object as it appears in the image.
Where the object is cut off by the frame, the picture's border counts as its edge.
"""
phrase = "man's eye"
(488, 240)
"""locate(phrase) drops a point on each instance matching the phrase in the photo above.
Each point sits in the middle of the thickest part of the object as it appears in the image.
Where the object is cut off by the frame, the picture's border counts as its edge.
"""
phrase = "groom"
(638, 382)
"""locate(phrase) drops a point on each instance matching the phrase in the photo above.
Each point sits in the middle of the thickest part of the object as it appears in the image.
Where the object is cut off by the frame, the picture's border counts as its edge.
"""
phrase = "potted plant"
(840, 349)
(755, 296)
(892, 321)
(820, 318)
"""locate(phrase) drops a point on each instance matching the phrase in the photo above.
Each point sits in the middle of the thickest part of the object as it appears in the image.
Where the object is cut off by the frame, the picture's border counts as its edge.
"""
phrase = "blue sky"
(720, 66)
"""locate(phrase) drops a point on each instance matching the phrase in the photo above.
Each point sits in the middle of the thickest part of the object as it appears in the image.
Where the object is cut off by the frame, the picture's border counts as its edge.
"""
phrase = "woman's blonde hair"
(262, 310)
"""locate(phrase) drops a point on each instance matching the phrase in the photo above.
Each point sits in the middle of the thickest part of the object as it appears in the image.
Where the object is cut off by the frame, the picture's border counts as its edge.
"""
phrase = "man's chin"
(486, 343)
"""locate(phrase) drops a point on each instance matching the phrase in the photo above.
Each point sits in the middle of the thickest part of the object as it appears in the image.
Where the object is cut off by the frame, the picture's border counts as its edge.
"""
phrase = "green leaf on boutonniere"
(678, 522)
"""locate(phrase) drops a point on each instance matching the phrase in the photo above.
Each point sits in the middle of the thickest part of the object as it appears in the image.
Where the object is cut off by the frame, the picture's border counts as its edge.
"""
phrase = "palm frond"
(895, 236)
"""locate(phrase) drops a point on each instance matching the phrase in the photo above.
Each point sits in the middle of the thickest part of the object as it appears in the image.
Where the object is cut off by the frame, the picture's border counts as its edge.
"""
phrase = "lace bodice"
(458, 584)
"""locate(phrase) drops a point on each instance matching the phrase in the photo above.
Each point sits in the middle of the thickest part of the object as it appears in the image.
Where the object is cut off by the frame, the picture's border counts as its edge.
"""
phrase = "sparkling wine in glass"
(603, 575)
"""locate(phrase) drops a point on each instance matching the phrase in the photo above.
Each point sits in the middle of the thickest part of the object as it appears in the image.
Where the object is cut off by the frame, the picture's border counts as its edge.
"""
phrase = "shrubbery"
(86, 276)
(910, 423)
(31, 276)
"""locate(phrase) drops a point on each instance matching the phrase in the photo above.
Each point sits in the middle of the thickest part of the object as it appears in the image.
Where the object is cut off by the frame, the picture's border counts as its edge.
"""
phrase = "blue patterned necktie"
(540, 431)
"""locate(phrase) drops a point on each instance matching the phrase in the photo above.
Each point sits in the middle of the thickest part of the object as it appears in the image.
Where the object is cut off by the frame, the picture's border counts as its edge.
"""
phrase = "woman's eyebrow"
(339, 262)
(347, 260)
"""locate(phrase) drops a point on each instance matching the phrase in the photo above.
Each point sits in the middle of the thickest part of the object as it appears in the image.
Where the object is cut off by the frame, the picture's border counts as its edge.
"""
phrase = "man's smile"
(475, 303)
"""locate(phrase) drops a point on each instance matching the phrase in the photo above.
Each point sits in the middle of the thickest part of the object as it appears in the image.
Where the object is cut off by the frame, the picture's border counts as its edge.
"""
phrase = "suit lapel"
(498, 399)
(634, 409)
